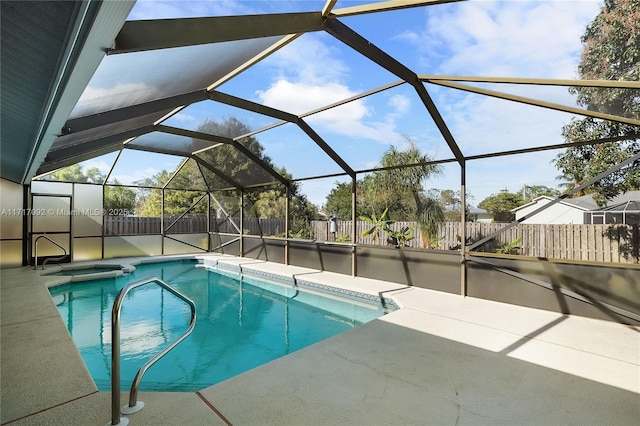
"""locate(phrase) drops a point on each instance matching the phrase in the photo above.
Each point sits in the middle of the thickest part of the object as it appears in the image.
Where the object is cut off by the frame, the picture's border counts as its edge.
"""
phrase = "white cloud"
(348, 119)
(185, 118)
(313, 69)
(538, 39)
(485, 125)
(309, 59)
(514, 38)
(399, 105)
(285, 95)
(523, 38)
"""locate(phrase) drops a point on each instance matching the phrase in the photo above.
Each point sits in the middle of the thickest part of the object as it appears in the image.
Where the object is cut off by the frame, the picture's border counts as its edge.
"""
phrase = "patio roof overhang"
(50, 51)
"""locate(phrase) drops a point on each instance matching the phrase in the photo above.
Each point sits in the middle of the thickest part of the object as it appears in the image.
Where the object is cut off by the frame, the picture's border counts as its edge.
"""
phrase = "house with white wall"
(480, 215)
(570, 210)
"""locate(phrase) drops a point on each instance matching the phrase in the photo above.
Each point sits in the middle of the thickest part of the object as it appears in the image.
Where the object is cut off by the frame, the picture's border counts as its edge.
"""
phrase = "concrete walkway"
(441, 359)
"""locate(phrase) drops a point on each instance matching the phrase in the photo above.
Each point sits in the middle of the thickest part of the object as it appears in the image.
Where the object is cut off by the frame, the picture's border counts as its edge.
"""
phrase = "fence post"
(635, 243)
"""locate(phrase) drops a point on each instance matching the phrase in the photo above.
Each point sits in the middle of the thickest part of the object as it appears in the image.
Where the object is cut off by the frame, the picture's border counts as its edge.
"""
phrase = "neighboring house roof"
(627, 206)
(582, 203)
(476, 210)
(587, 203)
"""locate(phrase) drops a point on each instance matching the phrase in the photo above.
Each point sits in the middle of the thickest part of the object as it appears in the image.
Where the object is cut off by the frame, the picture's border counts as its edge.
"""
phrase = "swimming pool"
(239, 326)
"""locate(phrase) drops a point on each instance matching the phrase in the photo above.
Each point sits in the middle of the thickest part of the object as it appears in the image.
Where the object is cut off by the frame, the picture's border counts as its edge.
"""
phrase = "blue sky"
(479, 38)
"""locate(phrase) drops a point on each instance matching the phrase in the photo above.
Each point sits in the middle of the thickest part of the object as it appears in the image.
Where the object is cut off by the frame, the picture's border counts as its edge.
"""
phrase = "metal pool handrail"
(52, 242)
(134, 405)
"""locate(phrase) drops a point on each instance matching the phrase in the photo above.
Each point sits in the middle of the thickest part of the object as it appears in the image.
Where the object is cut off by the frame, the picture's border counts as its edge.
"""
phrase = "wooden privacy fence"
(603, 243)
(189, 224)
(320, 232)
(131, 225)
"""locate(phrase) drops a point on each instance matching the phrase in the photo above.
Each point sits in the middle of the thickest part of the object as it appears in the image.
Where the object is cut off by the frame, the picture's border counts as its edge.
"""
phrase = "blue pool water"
(239, 326)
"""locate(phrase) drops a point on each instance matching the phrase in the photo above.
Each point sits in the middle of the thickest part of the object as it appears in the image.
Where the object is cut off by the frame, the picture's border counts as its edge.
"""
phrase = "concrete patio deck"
(441, 359)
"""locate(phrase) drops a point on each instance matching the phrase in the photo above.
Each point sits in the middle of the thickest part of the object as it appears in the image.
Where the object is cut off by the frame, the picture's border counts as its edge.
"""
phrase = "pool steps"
(134, 405)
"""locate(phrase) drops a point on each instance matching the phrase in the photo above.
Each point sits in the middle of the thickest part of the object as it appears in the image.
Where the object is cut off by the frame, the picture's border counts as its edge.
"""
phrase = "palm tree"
(573, 173)
(407, 170)
(429, 215)
(568, 181)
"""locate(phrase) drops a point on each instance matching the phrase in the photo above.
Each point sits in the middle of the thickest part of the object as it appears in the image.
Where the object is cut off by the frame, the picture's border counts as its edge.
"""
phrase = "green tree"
(339, 200)
(406, 173)
(75, 173)
(429, 217)
(265, 202)
(225, 158)
(501, 204)
(229, 161)
(119, 198)
(178, 195)
(116, 197)
(450, 201)
(94, 175)
(377, 194)
(150, 200)
(270, 202)
(573, 172)
(398, 191)
(611, 52)
(534, 191)
(302, 212)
